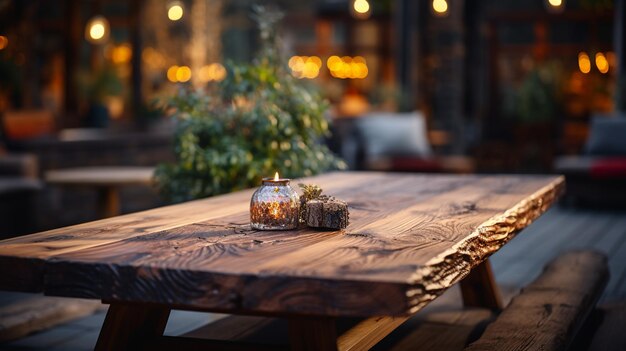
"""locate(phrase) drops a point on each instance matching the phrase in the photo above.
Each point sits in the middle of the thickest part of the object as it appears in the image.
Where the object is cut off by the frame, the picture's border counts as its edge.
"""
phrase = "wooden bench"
(546, 315)
(551, 310)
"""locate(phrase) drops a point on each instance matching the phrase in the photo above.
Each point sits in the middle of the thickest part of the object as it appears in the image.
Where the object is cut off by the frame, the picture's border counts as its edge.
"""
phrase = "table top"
(410, 237)
(101, 176)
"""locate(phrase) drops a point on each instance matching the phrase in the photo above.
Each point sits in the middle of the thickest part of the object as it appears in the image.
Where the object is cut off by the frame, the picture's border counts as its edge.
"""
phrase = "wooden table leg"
(479, 288)
(313, 334)
(108, 201)
(128, 326)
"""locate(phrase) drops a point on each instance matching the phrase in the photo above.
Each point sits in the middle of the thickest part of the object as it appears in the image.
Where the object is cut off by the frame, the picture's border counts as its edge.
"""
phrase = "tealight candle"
(275, 205)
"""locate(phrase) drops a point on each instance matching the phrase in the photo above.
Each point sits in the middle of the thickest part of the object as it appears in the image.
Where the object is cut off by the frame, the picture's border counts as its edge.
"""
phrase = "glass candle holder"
(275, 205)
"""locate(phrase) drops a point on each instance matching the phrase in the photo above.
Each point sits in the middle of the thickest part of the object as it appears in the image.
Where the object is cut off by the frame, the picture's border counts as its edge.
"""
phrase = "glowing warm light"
(305, 66)
(276, 177)
(4, 42)
(347, 67)
(171, 74)
(333, 63)
(555, 6)
(213, 72)
(175, 11)
(361, 6)
(121, 54)
(315, 60)
(97, 30)
(361, 9)
(153, 58)
(183, 74)
(584, 64)
(440, 7)
(602, 63)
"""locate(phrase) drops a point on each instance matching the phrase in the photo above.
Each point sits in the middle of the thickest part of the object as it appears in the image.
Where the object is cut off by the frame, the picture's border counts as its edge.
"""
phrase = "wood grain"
(549, 311)
(410, 238)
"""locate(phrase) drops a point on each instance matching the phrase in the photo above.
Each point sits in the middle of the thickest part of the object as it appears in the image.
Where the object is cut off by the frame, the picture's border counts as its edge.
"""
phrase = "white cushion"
(394, 134)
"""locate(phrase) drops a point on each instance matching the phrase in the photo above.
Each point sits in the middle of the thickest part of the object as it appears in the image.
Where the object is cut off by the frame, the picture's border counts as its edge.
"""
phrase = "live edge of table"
(411, 236)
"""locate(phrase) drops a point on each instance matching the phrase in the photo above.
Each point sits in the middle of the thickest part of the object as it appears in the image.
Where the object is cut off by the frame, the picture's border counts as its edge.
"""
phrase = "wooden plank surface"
(550, 311)
(410, 238)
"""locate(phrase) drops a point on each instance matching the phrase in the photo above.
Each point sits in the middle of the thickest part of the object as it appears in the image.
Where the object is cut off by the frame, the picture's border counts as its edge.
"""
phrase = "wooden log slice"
(329, 213)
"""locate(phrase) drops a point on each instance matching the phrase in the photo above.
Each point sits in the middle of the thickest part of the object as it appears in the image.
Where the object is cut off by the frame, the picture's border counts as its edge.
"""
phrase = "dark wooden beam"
(128, 327)
(479, 288)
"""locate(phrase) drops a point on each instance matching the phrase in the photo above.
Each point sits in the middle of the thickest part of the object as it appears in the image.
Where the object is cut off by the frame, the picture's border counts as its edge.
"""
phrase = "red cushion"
(609, 168)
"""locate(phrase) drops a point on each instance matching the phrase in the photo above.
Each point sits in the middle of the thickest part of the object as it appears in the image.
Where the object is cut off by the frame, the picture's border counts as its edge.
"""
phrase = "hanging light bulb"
(97, 30)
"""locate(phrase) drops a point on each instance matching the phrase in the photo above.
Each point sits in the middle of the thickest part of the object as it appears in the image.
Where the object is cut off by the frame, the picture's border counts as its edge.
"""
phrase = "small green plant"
(258, 121)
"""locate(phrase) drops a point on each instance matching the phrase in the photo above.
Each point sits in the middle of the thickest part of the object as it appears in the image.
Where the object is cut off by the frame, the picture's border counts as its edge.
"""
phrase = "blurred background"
(458, 86)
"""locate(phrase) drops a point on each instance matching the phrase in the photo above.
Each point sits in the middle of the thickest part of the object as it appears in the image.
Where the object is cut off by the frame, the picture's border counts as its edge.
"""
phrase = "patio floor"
(517, 264)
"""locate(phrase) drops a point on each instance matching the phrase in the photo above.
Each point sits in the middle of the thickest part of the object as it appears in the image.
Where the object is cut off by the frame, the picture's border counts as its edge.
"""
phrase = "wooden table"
(411, 237)
(107, 181)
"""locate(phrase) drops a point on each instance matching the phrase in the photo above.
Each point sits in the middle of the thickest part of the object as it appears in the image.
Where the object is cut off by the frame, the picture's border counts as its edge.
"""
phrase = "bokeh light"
(440, 7)
(214, 72)
(97, 30)
(602, 63)
(175, 11)
(584, 64)
(183, 74)
(361, 9)
(347, 67)
(305, 66)
(121, 54)
(4, 42)
(171, 74)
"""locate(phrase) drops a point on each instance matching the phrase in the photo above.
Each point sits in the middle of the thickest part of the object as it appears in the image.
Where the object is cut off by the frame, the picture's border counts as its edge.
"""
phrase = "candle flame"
(276, 177)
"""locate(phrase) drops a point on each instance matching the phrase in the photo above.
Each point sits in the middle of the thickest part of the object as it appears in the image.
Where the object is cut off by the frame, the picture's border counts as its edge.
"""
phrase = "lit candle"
(275, 205)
